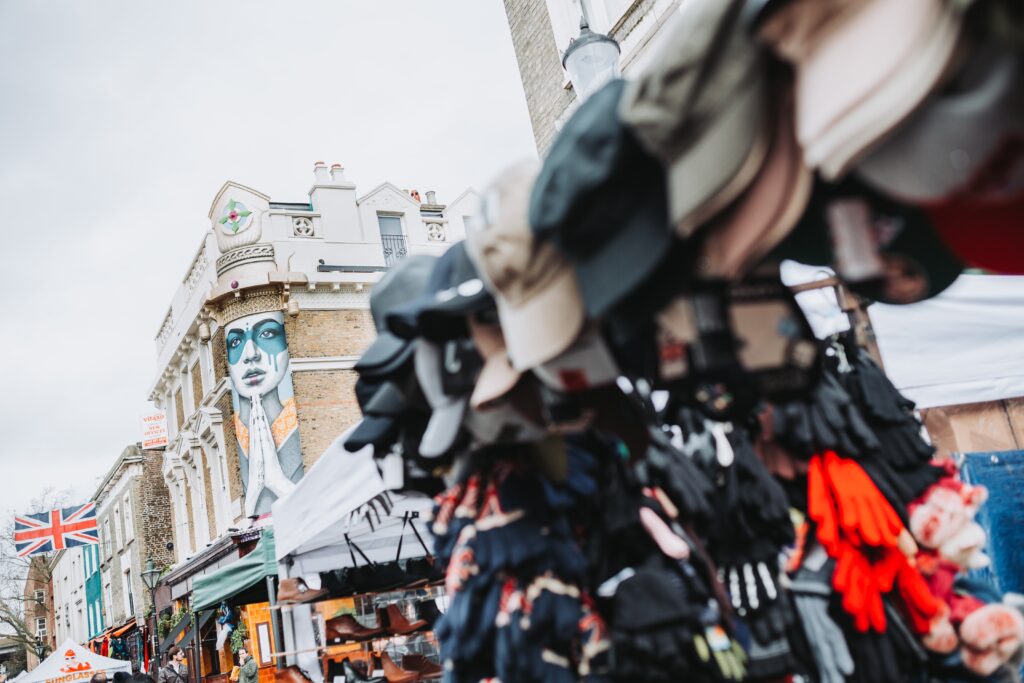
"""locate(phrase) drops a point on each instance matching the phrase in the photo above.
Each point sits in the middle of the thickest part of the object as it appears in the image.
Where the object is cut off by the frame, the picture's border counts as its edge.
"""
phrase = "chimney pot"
(320, 172)
(415, 194)
(431, 197)
(337, 173)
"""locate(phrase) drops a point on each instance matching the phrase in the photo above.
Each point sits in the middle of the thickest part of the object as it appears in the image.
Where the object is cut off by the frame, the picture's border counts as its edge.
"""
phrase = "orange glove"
(864, 513)
(855, 581)
(821, 507)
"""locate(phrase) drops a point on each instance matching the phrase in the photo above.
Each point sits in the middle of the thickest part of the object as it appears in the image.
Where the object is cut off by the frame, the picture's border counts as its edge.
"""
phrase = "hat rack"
(855, 312)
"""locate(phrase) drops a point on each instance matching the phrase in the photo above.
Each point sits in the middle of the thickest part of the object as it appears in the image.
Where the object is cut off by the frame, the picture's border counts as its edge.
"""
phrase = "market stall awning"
(117, 633)
(315, 526)
(186, 642)
(71, 662)
(209, 591)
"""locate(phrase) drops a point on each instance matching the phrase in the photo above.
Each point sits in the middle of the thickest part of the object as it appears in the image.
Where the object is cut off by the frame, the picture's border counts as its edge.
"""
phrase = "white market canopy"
(311, 523)
(965, 345)
(71, 662)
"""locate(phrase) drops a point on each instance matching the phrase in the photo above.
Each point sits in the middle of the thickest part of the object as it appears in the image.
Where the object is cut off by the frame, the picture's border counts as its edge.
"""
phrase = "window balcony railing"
(394, 249)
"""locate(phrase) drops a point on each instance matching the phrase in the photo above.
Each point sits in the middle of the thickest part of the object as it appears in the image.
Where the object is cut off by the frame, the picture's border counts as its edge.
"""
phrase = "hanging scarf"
(264, 465)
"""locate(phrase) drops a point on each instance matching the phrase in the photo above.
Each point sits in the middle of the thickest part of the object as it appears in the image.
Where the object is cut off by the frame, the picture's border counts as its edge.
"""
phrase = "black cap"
(603, 200)
(404, 282)
(371, 430)
(444, 316)
(453, 291)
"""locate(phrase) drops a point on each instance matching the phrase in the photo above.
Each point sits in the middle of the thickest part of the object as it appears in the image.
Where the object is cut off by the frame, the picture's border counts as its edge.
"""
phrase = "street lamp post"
(151, 577)
(40, 648)
(591, 60)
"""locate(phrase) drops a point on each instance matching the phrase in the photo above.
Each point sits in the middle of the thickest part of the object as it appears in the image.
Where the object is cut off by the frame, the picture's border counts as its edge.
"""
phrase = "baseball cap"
(601, 199)
(498, 376)
(444, 315)
(587, 364)
(702, 109)
(967, 140)
(447, 411)
(861, 69)
(403, 282)
(452, 291)
(734, 242)
(383, 414)
(535, 290)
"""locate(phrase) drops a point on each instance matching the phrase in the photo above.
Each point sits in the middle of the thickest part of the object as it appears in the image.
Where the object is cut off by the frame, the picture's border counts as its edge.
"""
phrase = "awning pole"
(275, 620)
(197, 645)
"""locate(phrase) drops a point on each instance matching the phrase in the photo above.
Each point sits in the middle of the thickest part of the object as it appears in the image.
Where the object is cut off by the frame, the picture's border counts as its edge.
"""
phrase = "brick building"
(38, 601)
(541, 32)
(134, 517)
(260, 339)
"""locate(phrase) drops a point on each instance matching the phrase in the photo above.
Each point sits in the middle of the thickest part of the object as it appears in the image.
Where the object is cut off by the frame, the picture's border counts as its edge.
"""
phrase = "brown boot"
(423, 666)
(295, 591)
(345, 627)
(398, 624)
(395, 673)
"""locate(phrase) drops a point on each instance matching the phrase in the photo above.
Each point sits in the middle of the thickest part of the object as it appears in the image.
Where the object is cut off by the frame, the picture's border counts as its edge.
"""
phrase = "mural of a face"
(257, 353)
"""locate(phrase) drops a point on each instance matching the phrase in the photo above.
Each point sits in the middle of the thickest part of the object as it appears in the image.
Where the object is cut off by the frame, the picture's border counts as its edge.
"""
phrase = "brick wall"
(179, 408)
(211, 517)
(235, 487)
(329, 333)
(220, 356)
(154, 520)
(325, 399)
(540, 67)
(197, 384)
(326, 402)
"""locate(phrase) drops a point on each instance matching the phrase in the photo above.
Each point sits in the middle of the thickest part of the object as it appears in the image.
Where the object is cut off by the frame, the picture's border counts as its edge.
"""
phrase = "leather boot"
(345, 627)
(427, 611)
(352, 674)
(398, 624)
(423, 666)
(295, 591)
(395, 673)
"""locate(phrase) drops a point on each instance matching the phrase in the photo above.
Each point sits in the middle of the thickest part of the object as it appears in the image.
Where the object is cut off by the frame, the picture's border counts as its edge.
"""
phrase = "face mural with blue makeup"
(257, 353)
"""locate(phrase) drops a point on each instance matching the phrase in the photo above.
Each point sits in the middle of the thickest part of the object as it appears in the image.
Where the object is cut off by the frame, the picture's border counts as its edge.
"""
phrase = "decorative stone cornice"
(248, 302)
(253, 253)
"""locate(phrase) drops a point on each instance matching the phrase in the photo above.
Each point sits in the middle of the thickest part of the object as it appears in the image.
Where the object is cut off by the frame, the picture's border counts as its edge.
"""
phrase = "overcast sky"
(120, 120)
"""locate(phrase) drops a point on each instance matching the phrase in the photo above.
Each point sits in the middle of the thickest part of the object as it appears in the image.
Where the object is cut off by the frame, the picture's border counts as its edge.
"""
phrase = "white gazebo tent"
(316, 531)
(71, 662)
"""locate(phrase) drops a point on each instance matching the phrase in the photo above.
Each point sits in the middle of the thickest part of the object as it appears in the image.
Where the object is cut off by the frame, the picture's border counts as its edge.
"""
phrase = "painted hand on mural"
(266, 423)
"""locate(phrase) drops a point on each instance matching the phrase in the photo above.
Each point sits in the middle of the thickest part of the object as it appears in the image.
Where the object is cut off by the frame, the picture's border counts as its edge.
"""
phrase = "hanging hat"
(534, 287)
(702, 109)
(452, 291)
(766, 212)
(443, 315)
(862, 67)
(587, 364)
(601, 199)
(447, 411)
(498, 375)
(967, 140)
(402, 283)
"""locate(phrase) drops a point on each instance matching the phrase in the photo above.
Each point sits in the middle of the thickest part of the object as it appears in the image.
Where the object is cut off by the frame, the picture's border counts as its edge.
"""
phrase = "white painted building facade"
(326, 253)
(70, 608)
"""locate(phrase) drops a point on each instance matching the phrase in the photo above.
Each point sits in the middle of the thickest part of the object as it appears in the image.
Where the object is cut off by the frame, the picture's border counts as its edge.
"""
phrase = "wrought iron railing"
(394, 248)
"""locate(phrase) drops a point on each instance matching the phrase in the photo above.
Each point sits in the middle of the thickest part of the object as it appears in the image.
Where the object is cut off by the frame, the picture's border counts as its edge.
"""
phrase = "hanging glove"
(811, 594)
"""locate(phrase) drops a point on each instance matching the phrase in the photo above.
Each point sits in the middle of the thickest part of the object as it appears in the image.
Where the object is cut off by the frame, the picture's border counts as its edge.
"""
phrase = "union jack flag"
(56, 530)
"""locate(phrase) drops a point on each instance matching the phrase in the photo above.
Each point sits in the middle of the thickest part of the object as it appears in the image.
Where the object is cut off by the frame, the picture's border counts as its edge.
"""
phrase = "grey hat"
(702, 108)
